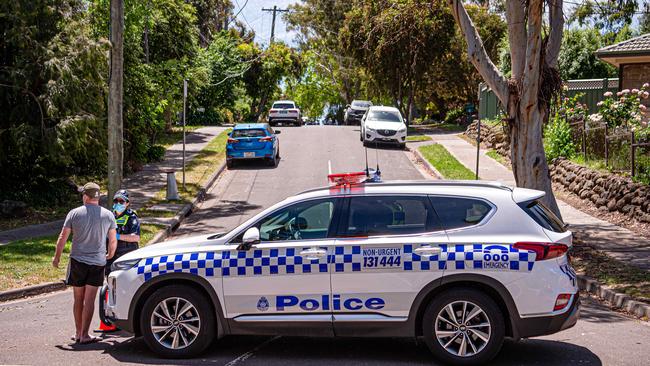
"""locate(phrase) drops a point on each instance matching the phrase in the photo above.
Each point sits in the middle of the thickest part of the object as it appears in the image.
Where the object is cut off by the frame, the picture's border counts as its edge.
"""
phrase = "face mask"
(119, 207)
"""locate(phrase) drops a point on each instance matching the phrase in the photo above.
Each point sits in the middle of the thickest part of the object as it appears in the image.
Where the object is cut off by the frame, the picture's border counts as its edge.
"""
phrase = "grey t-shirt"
(90, 225)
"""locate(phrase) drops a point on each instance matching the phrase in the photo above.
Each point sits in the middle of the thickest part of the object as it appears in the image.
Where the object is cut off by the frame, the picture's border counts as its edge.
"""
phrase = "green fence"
(593, 90)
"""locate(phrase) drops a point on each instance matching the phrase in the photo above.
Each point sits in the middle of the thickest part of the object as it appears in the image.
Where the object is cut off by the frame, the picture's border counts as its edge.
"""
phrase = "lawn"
(617, 275)
(417, 138)
(29, 262)
(198, 170)
(498, 157)
(445, 163)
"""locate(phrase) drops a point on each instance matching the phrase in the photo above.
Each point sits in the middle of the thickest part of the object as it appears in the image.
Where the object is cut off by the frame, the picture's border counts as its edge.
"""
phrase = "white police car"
(460, 264)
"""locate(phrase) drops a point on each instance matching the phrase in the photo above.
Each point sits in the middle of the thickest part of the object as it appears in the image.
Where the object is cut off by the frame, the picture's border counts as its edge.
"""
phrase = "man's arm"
(112, 243)
(60, 244)
(131, 238)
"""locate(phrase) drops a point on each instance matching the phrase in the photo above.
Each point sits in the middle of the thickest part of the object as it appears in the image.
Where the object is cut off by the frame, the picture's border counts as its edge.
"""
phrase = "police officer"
(128, 227)
(128, 236)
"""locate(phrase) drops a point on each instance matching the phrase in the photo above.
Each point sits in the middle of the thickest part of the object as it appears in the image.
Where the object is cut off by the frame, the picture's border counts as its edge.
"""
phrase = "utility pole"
(274, 10)
(115, 93)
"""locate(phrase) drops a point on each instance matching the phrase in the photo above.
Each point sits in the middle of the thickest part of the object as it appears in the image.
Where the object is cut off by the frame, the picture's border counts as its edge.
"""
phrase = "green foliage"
(558, 141)
(52, 91)
(577, 58)
(624, 110)
(312, 91)
(454, 115)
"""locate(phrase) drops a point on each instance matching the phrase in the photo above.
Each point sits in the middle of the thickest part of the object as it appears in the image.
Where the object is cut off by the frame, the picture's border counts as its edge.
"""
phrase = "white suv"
(284, 111)
(383, 125)
(460, 264)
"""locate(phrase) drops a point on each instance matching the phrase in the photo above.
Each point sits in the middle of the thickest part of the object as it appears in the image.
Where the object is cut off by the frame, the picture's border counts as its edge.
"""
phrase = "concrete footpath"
(142, 185)
(614, 240)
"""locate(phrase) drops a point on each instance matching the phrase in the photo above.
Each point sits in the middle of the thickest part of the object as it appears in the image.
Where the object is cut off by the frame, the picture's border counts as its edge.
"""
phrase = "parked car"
(253, 141)
(459, 264)
(355, 111)
(285, 111)
(383, 125)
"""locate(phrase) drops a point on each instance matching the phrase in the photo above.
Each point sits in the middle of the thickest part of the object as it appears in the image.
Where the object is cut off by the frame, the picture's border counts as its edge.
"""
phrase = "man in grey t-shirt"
(90, 225)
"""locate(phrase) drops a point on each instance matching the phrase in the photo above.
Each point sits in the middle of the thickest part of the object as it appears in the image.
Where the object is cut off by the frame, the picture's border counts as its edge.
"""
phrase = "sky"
(260, 21)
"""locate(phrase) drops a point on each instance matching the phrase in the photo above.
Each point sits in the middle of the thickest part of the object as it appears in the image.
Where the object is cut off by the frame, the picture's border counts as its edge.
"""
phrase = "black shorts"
(81, 274)
(120, 251)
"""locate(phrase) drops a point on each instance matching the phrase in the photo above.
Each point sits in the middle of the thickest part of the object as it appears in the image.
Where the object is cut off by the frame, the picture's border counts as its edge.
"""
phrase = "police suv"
(460, 264)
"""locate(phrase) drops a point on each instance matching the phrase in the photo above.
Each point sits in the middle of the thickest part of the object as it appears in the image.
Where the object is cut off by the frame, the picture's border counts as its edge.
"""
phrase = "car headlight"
(123, 265)
(403, 129)
(370, 129)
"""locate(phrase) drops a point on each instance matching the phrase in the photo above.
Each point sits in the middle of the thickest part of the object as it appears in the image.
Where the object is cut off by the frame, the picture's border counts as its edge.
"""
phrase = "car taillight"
(266, 139)
(232, 141)
(273, 110)
(293, 110)
(562, 301)
(543, 251)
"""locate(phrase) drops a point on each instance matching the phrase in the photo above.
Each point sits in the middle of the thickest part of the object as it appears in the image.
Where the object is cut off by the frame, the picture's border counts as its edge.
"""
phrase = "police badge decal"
(262, 304)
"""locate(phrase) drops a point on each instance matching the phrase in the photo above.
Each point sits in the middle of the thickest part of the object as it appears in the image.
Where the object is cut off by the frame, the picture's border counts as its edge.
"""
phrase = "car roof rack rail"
(446, 183)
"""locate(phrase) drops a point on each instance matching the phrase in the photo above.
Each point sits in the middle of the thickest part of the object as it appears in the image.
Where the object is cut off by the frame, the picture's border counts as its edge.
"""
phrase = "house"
(632, 58)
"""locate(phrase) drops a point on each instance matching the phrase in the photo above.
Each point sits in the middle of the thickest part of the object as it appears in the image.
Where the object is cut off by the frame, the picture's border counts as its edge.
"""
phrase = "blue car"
(253, 141)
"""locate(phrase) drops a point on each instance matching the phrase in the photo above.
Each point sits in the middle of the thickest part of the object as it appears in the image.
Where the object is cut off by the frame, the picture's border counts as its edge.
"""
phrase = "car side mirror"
(251, 237)
(347, 106)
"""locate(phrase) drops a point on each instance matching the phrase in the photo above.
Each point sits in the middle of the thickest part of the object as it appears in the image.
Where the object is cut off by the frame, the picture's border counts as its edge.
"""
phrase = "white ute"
(460, 264)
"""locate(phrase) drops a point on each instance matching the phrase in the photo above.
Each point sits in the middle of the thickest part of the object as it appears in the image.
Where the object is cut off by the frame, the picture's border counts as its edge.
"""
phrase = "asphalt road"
(37, 330)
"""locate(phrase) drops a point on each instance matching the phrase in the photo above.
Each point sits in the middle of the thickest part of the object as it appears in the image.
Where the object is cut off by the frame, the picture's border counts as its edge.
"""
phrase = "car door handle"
(313, 253)
(427, 251)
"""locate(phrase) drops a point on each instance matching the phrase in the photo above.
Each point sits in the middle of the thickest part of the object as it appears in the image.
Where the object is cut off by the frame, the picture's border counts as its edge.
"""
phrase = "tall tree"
(534, 81)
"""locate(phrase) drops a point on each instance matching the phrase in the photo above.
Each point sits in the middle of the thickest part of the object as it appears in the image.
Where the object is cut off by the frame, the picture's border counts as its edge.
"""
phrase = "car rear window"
(361, 104)
(248, 133)
(389, 215)
(283, 106)
(543, 216)
(387, 116)
(459, 212)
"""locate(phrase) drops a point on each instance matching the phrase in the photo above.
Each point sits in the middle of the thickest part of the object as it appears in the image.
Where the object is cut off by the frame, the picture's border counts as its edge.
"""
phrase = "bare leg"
(88, 310)
(77, 309)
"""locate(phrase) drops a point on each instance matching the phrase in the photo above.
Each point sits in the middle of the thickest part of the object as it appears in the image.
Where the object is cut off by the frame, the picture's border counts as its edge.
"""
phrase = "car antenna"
(367, 170)
(377, 172)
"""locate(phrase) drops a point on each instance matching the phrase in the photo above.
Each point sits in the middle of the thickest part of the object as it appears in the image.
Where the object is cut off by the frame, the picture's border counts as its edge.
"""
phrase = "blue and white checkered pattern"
(345, 259)
(260, 262)
(415, 262)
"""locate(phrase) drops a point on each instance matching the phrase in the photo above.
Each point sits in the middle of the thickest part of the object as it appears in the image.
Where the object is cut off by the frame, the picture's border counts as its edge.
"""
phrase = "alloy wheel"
(462, 328)
(175, 323)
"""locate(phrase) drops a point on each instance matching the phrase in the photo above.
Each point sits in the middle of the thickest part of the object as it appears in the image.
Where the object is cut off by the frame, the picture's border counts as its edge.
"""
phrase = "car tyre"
(230, 164)
(190, 333)
(482, 343)
(402, 146)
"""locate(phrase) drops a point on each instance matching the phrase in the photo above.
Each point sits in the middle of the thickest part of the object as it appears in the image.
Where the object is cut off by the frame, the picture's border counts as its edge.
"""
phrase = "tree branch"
(516, 17)
(530, 83)
(477, 53)
(556, 22)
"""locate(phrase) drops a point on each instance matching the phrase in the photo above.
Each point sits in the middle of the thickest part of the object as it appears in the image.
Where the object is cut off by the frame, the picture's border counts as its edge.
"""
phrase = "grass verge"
(618, 276)
(198, 170)
(29, 262)
(498, 157)
(445, 163)
(417, 138)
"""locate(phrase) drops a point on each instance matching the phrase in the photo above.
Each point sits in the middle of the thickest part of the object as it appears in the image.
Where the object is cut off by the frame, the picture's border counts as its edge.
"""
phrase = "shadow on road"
(346, 351)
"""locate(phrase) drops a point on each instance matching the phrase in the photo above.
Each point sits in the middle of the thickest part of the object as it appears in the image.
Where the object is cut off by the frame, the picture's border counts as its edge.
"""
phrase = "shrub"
(454, 115)
(557, 139)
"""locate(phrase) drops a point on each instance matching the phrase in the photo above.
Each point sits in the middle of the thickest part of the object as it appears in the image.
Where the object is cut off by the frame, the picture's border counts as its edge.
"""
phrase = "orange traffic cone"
(103, 327)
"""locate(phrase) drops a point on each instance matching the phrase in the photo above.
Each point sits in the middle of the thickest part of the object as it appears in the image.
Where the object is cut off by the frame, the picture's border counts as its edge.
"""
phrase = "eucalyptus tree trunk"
(527, 93)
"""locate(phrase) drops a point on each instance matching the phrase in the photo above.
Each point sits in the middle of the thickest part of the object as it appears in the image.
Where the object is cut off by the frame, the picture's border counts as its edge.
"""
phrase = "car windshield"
(283, 106)
(248, 133)
(386, 116)
(360, 104)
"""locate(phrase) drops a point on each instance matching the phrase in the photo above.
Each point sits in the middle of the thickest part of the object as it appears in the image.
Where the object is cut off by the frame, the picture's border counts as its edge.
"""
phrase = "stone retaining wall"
(492, 137)
(609, 192)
